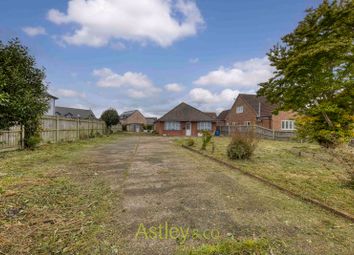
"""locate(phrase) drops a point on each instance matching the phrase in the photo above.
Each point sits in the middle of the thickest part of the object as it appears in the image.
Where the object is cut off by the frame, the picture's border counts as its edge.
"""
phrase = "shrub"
(206, 139)
(189, 142)
(33, 141)
(242, 145)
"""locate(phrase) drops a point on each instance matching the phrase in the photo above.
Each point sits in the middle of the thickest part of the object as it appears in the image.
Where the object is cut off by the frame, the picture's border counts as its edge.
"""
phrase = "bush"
(189, 142)
(242, 145)
(206, 139)
(33, 141)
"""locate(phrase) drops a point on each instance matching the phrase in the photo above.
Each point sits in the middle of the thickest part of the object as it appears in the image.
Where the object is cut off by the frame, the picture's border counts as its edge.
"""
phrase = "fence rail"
(262, 132)
(55, 130)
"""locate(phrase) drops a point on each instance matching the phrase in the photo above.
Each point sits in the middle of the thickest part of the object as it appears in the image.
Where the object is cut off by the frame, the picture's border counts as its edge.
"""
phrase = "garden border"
(284, 190)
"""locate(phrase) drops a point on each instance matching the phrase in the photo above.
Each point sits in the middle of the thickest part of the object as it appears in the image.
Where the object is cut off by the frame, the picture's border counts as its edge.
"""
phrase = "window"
(204, 126)
(172, 126)
(247, 123)
(288, 125)
(239, 109)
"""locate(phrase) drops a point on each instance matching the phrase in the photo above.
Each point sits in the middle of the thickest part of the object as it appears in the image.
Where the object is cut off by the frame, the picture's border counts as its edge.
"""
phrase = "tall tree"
(110, 117)
(315, 73)
(23, 94)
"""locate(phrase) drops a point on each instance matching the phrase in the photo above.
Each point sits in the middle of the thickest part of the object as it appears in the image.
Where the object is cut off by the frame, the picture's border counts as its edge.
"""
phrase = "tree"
(23, 94)
(110, 117)
(315, 73)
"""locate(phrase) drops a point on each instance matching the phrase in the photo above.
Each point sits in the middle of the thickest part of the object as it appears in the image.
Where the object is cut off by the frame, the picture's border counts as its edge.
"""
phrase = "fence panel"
(55, 129)
(262, 132)
(10, 139)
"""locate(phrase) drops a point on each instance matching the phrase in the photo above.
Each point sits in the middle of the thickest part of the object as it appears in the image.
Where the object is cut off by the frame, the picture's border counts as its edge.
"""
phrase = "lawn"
(304, 168)
(48, 205)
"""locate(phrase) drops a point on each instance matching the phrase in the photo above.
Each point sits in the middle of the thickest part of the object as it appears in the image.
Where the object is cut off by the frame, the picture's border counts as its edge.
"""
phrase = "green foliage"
(189, 142)
(206, 139)
(314, 128)
(315, 72)
(33, 141)
(242, 145)
(110, 117)
(232, 247)
(23, 94)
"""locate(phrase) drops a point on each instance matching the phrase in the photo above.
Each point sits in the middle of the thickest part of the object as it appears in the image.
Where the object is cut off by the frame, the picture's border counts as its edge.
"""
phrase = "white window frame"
(247, 123)
(205, 125)
(172, 126)
(239, 109)
(288, 125)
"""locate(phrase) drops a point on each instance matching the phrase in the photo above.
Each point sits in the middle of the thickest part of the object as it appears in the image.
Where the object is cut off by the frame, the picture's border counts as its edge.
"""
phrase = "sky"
(151, 54)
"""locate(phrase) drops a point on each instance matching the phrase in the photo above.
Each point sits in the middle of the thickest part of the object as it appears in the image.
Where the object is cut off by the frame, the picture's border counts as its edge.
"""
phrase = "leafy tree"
(315, 73)
(23, 95)
(110, 117)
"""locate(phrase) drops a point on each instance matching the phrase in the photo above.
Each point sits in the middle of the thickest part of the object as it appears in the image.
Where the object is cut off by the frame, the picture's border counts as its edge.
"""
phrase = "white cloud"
(100, 21)
(194, 60)
(174, 87)
(204, 96)
(69, 93)
(246, 74)
(34, 31)
(138, 84)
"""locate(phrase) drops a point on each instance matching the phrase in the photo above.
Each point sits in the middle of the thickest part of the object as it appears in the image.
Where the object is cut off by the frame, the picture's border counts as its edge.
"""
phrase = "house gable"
(134, 117)
(248, 113)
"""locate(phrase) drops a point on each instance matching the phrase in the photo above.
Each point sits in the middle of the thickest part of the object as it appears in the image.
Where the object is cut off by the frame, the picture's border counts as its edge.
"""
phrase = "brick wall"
(248, 114)
(282, 116)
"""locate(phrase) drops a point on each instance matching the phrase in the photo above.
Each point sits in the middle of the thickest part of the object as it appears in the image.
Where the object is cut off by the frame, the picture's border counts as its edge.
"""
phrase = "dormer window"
(239, 109)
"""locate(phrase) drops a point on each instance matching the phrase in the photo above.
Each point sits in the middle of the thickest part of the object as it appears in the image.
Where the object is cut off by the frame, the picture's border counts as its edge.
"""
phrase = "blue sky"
(151, 54)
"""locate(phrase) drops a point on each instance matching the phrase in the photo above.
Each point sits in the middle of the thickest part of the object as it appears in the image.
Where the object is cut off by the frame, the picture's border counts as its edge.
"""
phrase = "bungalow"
(250, 109)
(74, 113)
(185, 120)
(133, 121)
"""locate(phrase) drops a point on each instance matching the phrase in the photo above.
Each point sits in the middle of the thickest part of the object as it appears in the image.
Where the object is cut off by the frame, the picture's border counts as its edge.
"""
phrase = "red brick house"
(185, 120)
(249, 109)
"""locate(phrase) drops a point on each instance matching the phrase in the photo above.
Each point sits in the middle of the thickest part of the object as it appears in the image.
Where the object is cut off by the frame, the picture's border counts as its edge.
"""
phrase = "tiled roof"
(126, 114)
(185, 112)
(74, 113)
(211, 114)
(223, 114)
(259, 103)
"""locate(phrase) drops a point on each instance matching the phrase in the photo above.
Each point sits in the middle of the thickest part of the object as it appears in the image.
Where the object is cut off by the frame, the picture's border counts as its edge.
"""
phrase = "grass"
(306, 169)
(47, 207)
(231, 247)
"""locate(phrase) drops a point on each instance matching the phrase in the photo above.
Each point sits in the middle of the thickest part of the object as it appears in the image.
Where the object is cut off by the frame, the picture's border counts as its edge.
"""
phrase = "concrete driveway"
(162, 186)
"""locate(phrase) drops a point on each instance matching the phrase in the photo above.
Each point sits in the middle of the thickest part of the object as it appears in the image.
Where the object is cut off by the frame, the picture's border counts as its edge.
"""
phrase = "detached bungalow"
(185, 120)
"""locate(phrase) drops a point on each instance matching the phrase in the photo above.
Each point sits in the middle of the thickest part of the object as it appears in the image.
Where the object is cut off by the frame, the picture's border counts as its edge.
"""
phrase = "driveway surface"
(161, 183)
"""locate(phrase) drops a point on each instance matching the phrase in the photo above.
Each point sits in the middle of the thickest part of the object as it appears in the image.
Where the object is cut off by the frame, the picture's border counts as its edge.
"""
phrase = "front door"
(188, 129)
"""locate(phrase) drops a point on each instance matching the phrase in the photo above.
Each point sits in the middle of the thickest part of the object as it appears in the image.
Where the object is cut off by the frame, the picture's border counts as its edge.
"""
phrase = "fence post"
(273, 134)
(22, 137)
(57, 127)
(78, 128)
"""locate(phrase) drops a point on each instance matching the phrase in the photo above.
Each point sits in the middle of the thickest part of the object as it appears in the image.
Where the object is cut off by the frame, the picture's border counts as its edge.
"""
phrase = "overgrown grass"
(46, 207)
(231, 247)
(306, 169)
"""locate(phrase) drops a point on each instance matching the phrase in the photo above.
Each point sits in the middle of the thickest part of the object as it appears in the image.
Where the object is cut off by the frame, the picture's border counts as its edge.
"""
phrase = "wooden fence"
(262, 132)
(54, 130)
